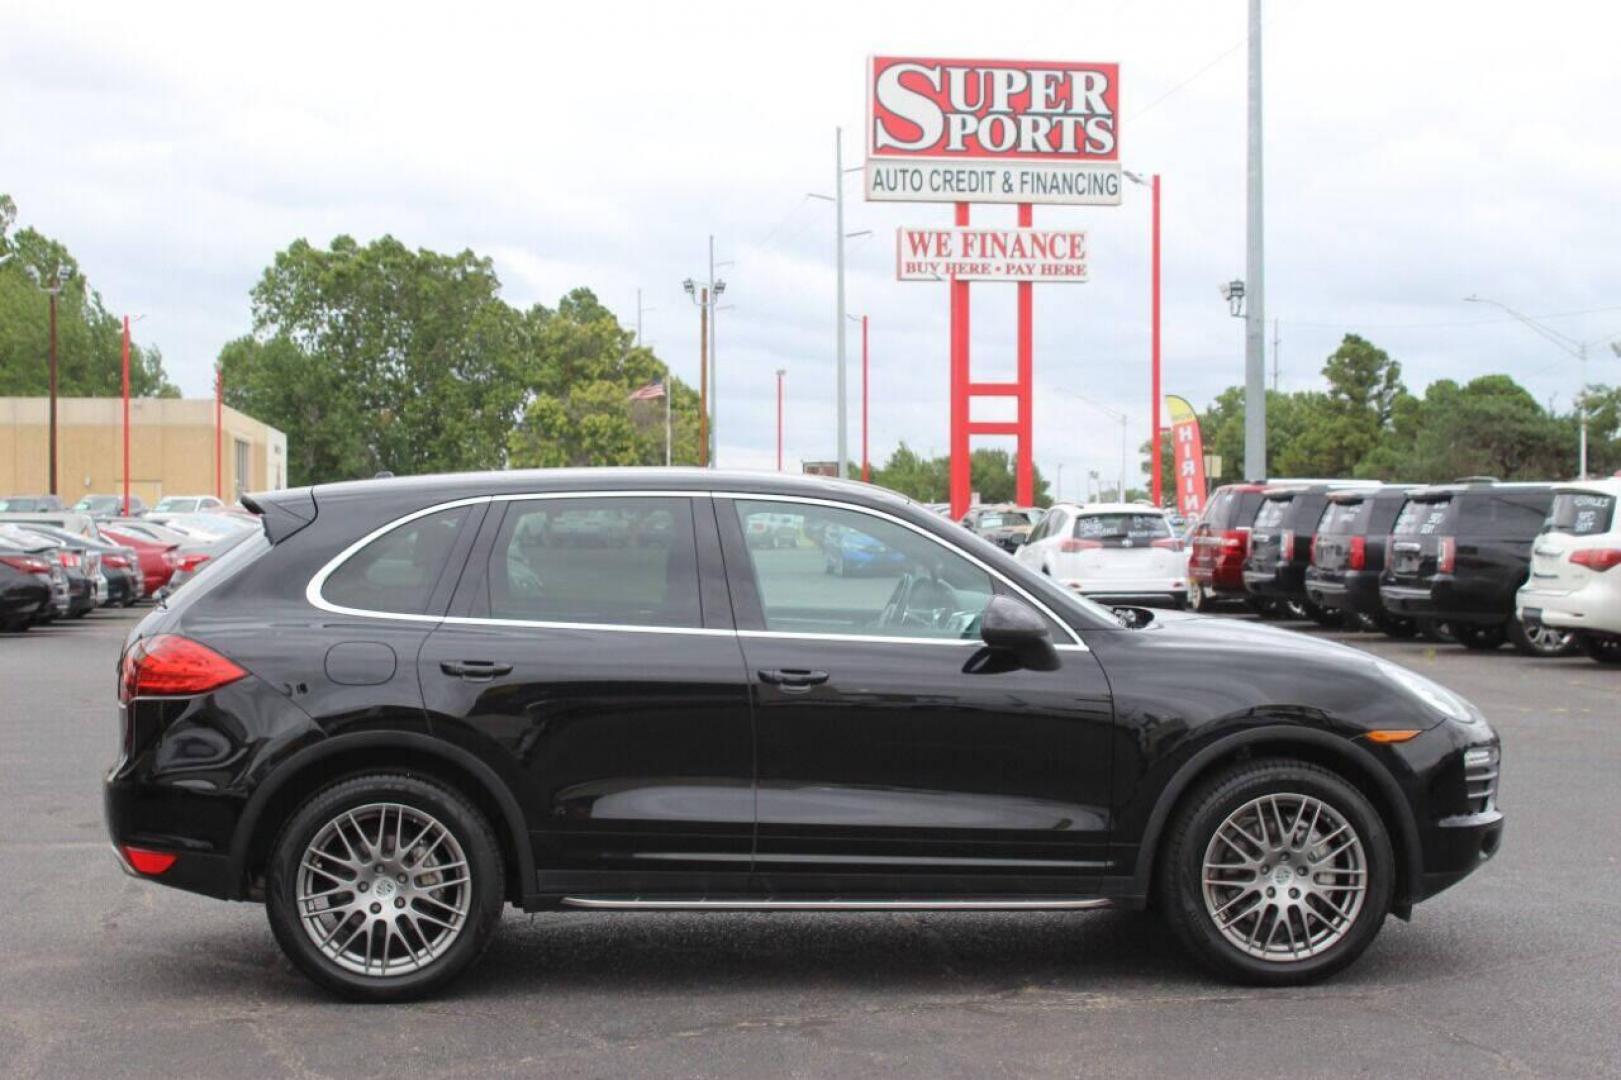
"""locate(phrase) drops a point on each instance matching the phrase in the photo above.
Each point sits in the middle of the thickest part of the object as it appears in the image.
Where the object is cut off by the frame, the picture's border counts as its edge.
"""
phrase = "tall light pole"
(125, 358)
(1567, 344)
(780, 373)
(705, 297)
(1254, 274)
(866, 465)
(1154, 392)
(62, 275)
(838, 217)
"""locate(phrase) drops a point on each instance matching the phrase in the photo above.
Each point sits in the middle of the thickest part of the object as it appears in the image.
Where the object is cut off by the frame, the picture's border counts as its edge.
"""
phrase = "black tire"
(1604, 648)
(1198, 598)
(1336, 618)
(1180, 888)
(463, 822)
(1442, 633)
(1480, 638)
(1542, 641)
(1266, 609)
(14, 626)
(1396, 626)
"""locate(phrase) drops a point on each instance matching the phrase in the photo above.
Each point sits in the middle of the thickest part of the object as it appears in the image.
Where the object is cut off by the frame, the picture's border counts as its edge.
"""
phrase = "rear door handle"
(475, 670)
(793, 680)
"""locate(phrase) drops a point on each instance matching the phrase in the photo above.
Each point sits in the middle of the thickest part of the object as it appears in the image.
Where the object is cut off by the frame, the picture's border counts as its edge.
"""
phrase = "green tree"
(580, 368)
(991, 475)
(379, 357)
(89, 339)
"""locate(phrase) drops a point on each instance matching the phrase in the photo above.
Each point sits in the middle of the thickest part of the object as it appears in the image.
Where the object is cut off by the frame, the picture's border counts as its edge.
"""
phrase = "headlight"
(1431, 693)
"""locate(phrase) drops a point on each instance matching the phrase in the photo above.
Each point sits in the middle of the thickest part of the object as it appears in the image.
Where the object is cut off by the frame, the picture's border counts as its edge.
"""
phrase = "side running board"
(707, 903)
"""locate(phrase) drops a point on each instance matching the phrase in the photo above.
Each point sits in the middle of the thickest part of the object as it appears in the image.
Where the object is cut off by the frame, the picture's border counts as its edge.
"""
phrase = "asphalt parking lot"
(1515, 972)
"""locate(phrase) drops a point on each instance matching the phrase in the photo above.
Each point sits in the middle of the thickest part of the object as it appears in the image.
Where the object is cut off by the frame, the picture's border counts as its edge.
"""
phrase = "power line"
(1445, 323)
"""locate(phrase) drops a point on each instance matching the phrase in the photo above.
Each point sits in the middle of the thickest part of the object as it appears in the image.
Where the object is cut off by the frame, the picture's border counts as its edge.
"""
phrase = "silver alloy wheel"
(1545, 638)
(1284, 877)
(383, 889)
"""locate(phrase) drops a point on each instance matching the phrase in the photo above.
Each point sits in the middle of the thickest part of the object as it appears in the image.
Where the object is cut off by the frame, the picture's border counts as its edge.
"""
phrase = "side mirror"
(1013, 628)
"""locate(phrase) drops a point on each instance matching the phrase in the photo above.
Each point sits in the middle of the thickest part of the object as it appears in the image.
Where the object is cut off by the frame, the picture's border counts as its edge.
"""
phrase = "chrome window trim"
(312, 591)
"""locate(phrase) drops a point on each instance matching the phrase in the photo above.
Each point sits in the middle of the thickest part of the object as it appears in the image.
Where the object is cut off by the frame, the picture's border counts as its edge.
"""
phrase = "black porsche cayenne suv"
(410, 702)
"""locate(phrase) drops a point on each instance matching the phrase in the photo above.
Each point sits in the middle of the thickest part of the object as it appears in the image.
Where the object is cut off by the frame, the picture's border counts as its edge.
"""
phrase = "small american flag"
(651, 392)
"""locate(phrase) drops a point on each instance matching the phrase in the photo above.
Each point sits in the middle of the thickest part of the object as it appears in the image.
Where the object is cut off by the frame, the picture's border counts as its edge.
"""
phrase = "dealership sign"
(990, 254)
(992, 131)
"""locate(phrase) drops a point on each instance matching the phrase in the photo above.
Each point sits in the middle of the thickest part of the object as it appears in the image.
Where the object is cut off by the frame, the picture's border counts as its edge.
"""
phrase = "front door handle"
(475, 670)
(793, 680)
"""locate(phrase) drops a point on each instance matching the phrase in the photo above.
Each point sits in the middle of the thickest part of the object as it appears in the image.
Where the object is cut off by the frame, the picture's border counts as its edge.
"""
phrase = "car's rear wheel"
(1276, 872)
(1605, 648)
(384, 887)
(1396, 626)
(1479, 638)
(1198, 598)
(1537, 638)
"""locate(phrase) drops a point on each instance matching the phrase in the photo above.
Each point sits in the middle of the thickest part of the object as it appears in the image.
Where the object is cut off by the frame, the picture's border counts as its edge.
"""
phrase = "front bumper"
(1455, 848)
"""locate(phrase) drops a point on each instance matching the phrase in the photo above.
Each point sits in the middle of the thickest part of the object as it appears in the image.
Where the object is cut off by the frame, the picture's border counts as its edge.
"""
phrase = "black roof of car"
(1437, 492)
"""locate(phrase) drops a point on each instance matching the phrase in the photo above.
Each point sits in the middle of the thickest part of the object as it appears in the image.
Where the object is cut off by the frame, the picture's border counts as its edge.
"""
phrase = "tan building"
(171, 449)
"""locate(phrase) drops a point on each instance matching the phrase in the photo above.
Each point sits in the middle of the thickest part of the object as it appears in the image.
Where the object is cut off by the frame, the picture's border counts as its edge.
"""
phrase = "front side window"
(397, 572)
(864, 575)
(613, 561)
(1581, 513)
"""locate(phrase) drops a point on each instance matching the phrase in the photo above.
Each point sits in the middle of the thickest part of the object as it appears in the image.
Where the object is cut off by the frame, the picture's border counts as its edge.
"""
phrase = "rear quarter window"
(1498, 515)
(1272, 513)
(397, 572)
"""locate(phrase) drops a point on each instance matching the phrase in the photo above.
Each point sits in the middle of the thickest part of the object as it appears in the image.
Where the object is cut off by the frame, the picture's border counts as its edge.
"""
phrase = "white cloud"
(1415, 154)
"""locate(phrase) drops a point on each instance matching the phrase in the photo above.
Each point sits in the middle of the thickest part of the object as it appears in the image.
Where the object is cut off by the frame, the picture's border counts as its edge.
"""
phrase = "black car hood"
(1240, 634)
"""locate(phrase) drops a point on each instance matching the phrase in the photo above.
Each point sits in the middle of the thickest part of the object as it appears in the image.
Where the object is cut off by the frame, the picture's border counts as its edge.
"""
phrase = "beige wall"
(171, 448)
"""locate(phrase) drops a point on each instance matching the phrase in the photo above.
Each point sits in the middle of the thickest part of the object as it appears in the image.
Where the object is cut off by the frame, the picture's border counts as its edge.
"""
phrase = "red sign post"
(1020, 132)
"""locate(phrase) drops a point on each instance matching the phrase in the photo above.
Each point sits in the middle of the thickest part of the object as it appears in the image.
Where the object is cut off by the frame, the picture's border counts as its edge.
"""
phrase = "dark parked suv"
(1458, 554)
(1348, 555)
(408, 702)
(1280, 549)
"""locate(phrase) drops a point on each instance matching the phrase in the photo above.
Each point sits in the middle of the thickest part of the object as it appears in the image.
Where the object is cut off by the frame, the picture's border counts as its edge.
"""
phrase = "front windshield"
(177, 506)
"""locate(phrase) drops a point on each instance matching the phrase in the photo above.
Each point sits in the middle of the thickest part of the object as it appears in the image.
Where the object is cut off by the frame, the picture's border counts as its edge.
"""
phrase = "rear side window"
(1272, 513)
(626, 562)
(1497, 515)
(1344, 519)
(1581, 514)
(1216, 512)
(397, 572)
(1423, 518)
(1137, 528)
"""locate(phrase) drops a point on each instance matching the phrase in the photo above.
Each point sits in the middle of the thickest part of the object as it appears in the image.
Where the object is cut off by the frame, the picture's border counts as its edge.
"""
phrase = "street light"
(1233, 292)
(1569, 345)
(1157, 481)
(62, 276)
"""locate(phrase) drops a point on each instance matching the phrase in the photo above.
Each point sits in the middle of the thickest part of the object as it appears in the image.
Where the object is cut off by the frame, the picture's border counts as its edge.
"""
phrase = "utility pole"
(219, 431)
(1254, 274)
(53, 291)
(1277, 353)
(124, 510)
(838, 217)
(866, 465)
(703, 378)
(714, 333)
(780, 373)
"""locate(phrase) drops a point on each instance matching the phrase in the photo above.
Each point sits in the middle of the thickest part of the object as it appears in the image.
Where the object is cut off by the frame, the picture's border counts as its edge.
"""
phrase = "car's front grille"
(1480, 768)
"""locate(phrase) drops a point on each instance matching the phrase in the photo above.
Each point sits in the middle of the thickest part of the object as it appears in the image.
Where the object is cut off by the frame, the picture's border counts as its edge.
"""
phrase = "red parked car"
(1219, 543)
(158, 558)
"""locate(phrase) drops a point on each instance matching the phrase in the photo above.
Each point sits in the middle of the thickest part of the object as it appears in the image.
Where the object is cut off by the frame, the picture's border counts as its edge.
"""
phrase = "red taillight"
(1599, 559)
(68, 559)
(1167, 543)
(116, 561)
(1446, 560)
(168, 665)
(1071, 546)
(28, 564)
(143, 861)
(1236, 538)
(1313, 557)
(1358, 557)
(190, 562)
(1286, 546)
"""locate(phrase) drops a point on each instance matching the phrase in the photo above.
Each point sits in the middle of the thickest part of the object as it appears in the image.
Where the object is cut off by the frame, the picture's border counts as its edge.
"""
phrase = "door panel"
(895, 752)
(619, 708)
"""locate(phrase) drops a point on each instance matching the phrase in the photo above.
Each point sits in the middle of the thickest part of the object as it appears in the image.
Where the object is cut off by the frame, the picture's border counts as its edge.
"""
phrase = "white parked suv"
(1121, 553)
(1575, 581)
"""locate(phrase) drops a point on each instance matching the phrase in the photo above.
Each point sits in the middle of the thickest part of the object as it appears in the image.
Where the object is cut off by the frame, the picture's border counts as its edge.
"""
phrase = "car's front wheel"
(1276, 872)
(384, 887)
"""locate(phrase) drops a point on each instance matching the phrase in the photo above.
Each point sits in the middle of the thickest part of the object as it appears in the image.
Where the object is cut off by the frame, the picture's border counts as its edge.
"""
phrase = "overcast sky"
(1416, 153)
